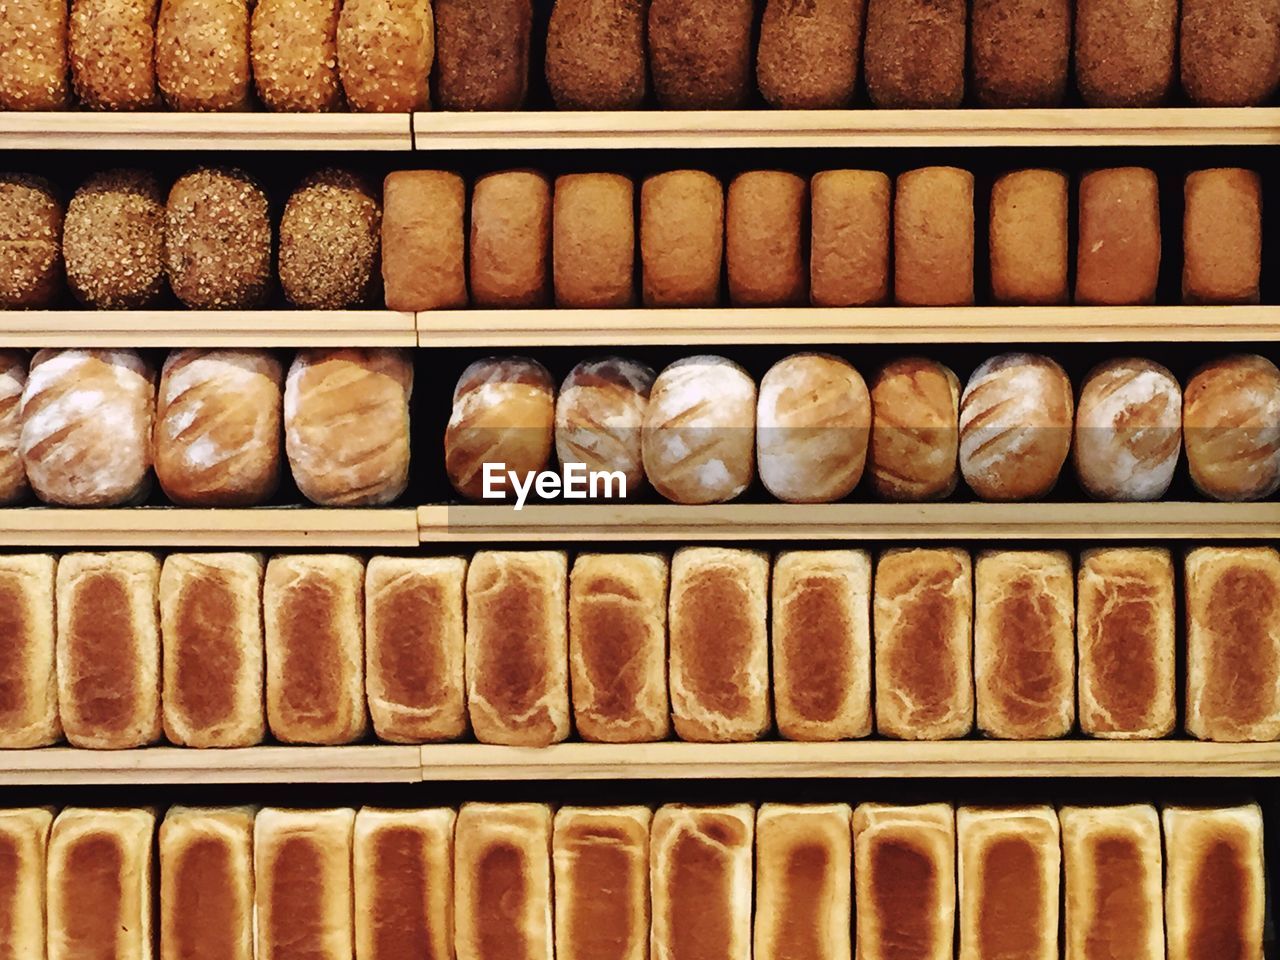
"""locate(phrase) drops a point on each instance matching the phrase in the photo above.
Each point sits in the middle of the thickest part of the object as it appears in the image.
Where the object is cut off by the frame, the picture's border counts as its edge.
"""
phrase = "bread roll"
(423, 241)
(211, 625)
(1009, 869)
(346, 422)
(314, 633)
(700, 53)
(217, 433)
(915, 436)
(13, 380)
(99, 894)
(111, 46)
(594, 240)
(904, 867)
(503, 414)
(915, 53)
(1229, 414)
(33, 64)
(601, 859)
(700, 875)
(113, 241)
(329, 242)
(699, 431)
(31, 220)
(813, 421)
(804, 859)
(1233, 643)
(294, 47)
(596, 54)
(719, 659)
(1230, 52)
(933, 237)
(1125, 51)
(1222, 236)
(303, 897)
(502, 882)
(808, 54)
(414, 642)
(1118, 251)
(510, 246)
(681, 239)
(1020, 50)
(764, 246)
(1111, 858)
(29, 707)
(482, 53)
(202, 54)
(517, 657)
(206, 883)
(599, 416)
(849, 252)
(1028, 237)
(923, 617)
(1215, 891)
(1015, 426)
(1125, 634)
(24, 838)
(403, 869)
(385, 52)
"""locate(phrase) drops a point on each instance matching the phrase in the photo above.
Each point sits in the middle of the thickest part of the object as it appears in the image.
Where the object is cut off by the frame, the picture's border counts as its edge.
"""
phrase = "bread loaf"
(217, 434)
(915, 436)
(904, 868)
(700, 53)
(113, 241)
(1229, 414)
(915, 53)
(1118, 251)
(33, 71)
(1230, 52)
(1125, 635)
(821, 636)
(314, 633)
(618, 647)
(511, 240)
(1124, 51)
(206, 883)
(923, 618)
(346, 421)
(108, 649)
(211, 625)
(202, 54)
(599, 416)
(764, 239)
(1028, 237)
(423, 240)
(13, 379)
(700, 875)
(1020, 50)
(111, 46)
(414, 642)
(31, 221)
(29, 707)
(482, 53)
(596, 54)
(849, 250)
(808, 53)
(517, 656)
(1222, 236)
(594, 240)
(719, 659)
(681, 239)
(385, 52)
(601, 861)
(24, 838)
(294, 48)
(933, 236)
(329, 241)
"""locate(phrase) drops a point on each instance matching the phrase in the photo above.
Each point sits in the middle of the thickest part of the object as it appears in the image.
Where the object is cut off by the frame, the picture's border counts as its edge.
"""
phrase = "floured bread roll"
(1231, 426)
(915, 411)
(599, 415)
(13, 377)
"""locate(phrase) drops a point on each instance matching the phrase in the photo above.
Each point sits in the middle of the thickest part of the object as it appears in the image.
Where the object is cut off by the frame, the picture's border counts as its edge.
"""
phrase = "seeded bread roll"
(29, 711)
(385, 52)
(1222, 236)
(764, 239)
(700, 53)
(594, 241)
(849, 253)
(933, 237)
(423, 240)
(202, 54)
(24, 839)
(111, 46)
(915, 436)
(1118, 252)
(915, 53)
(808, 53)
(329, 242)
(599, 417)
(218, 240)
(1125, 51)
(1230, 53)
(596, 54)
(511, 240)
(681, 239)
(206, 883)
(1229, 414)
(1020, 50)
(13, 379)
(33, 55)
(482, 53)
(1028, 238)
(601, 861)
(31, 242)
(294, 46)
(114, 241)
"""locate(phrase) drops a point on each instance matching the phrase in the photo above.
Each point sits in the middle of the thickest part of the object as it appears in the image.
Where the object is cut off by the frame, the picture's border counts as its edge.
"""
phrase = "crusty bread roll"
(423, 240)
(13, 380)
(933, 236)
(1118, 250)
(385, 52)
(346, 421)
(1028, 237)
(31, 222)
(482, 53)
(719, 658)
(764, 239)
(923, 617)
(700, 876)
(294, 48)
(517, 653)
(1009, 869)
(29, 709)
(206, 883)
(314, 635)
(808, 53)
(1222, 236)
(821, 634)
(99, 893)
(1112, 868)
(330, 236)
(914, 53)
(700, 53)
(1125, 636)
(601, 861)
(503, 413)
(111, 46)
(804, 861)
(904, 866)
(596, 54)
(599, 416)
(211, 629)
(594, 240)
(698, 439)
(113, 241)
(217, 434)
(402, 864)
(681, 239)
(510, 245)
(915, 434)
(24, 838)
(1233, 643)
(813, 421)
(1229, 414)
(108, 649)
(414, 640)
(1015, 426)
(33, 69)
(502, 882)
(1125, 51)
(1230, 52)
(1020, 50)
(303, 894)
(849, 249)
(202, 54)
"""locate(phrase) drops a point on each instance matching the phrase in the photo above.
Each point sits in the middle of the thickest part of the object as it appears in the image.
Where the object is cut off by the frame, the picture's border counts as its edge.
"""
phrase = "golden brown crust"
(600, 413)
(915, 434)
(28, 679)
(294, 47)
(33, 55)
(1028, 238)
(1222, 236)
(1230, 52)
(1118, 252)
(681, 239)
(914, 54)
(482, 53)
(206, 882)
(329, 242)
(764, 239)
(510, 244)
(594, 241)
(111, 46)
(1124, 51)
(808, 53)
(849, 255)
(202, 54)
(1230, 409)
(24, 837)
(601, 861)
(385, 52)
(933, 238)
(596, 54)
(13, 380)
(700, 53)
(423, 240)
(114, 241)
(1020, 50)
(31, 218)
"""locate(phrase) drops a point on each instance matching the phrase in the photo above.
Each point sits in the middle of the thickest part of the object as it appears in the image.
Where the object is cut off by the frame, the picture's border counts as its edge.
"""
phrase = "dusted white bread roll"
(1231, 426)
(599, 416)
(13, 377)
(915, 411)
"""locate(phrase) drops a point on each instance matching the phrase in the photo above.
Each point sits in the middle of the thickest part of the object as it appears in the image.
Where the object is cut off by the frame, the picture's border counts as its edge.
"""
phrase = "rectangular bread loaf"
(1118, 251)
(1222, 236)
(849, 252)
(601, 860)
(933, 237)
(29, 706)
(206, 883)
(24, 839)
(424, 240)
(1028, 236)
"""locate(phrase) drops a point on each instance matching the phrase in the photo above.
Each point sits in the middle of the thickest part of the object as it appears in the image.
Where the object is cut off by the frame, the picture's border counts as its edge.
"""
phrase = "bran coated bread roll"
(13, 380)
(808, 53)
(594, 241)
(202, 54)
(24, 840)
(600, 857)
(482, 53)
(1118, 250)
(599, 417)
(1230, 410)
(206, 883)
(1020, 50)
(31, 220)
(510, 247)
(764, 239)
(849, 244)
(596, 54)
(1230, 52)
(915, 435)
(681, 239)
(700, 53)
(914, 55)
(1028, 238)
(424, 240)
(329, 242)
(385, 52)
(1125, 51)
(111, 47)
(28, 675)
(933, 237)
(294, 48)
(33, 56)
(1222, 236)
(113, 241)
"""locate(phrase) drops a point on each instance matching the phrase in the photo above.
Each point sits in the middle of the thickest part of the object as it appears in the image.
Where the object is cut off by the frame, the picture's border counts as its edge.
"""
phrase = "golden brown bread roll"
(206, 883)
(346, 421)
(596, 54)
(111, 46)
(113, 241)
(414, 641)
(700, 53)
(385, 52)
(1230, 52)
(482, 53)
(914, 53)
(599, 416)
(933, 237)
(29, 709)
(314, 635)
(423, 241)
(13, 380)
(329, 241)
(808, 53)
(923, 618)
(510, 246)
(849, 251)
(211, 628)
(764, 239)
(33, 55)
(31, 219)
(1118, 250)
(217, 435)
(681, 239)
(1028, 238)
(915, 434)
(202, 54)
(601, 861)
(594, 241)
(1222, 236)
(24, 839)
(1229, 414)
(1125, 51)
(294, 47)
(1020, 50)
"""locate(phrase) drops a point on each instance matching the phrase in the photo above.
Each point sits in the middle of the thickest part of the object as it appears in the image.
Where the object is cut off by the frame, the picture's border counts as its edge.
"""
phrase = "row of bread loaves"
(519, 880)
